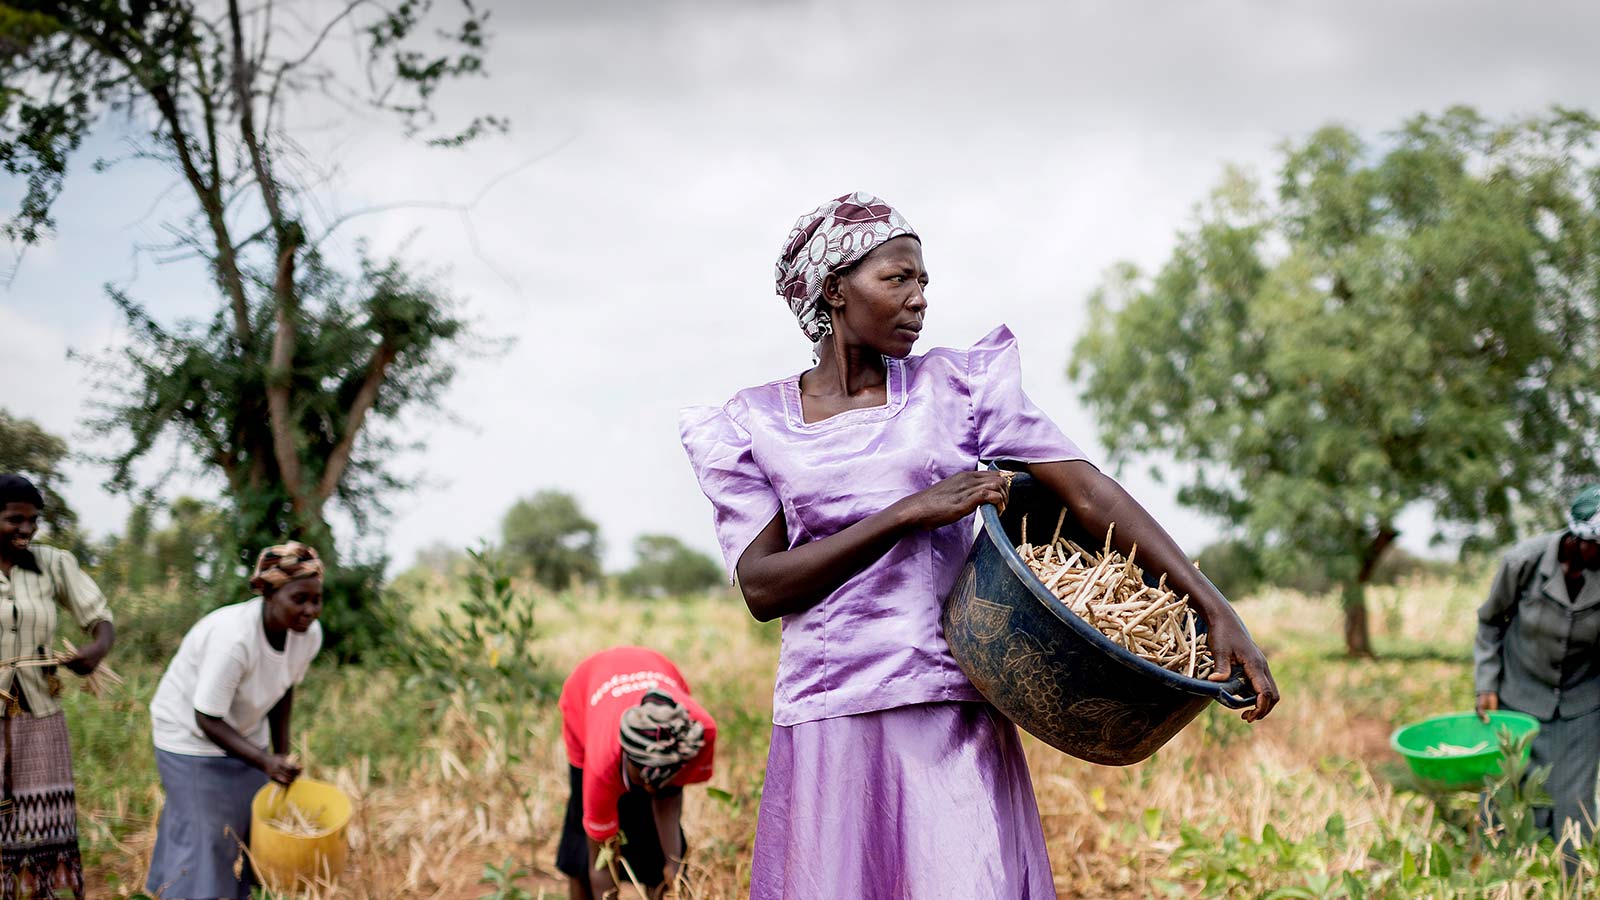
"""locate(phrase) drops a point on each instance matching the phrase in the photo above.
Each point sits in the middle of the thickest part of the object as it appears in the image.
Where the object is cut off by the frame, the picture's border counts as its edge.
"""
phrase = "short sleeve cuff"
(210, 708)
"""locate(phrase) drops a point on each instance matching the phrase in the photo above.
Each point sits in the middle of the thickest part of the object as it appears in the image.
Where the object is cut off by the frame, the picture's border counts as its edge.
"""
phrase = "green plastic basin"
(1463, 730)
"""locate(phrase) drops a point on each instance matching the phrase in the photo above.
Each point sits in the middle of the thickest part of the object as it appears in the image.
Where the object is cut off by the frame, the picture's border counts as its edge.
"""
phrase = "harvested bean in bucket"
(1074, 685)
(296, 822)
(1108, 591)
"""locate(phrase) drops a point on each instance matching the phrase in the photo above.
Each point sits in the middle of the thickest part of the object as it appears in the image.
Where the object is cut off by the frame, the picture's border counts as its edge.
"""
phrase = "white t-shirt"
(226, 668)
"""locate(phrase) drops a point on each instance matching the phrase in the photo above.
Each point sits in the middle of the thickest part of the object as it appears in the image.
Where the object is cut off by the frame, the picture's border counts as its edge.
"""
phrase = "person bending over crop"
(843, 498)
(1538, 652)
(635, 736)
(38, 799)
(220, 721)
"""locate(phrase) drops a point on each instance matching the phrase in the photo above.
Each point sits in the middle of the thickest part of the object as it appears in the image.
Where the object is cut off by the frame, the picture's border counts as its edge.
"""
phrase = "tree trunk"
(1357, 633)
(1357, 636)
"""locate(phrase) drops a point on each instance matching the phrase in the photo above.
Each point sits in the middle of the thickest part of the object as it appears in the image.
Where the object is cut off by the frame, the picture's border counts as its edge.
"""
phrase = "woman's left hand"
(87, 659)
(1232, 649)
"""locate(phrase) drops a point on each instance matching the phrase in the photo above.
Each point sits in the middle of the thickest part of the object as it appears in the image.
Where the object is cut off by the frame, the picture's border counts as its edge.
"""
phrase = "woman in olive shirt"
(1538, 652)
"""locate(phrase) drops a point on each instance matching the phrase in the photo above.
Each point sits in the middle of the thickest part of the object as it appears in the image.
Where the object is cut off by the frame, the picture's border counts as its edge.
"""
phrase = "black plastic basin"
(1048, 670)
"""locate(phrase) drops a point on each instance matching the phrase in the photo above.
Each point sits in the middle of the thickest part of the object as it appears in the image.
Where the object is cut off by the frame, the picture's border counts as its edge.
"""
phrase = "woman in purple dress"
(843, 498)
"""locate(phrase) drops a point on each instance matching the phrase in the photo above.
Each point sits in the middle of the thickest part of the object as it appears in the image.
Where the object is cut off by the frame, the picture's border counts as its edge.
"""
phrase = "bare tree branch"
(377, 369)
(244, 94)
(443, 205)
(316, 44)
(280, 376)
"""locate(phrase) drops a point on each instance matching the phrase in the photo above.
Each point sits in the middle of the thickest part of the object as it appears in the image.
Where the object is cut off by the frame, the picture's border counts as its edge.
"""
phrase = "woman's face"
(636, 777)
(1588, 553)
(295, 605)
(18, 523)
(880, 302)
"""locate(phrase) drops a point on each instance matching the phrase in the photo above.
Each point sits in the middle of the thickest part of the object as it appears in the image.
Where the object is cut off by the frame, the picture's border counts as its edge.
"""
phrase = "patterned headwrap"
(660, 737)
(830, 237)
(1583, 520)
(277, 566)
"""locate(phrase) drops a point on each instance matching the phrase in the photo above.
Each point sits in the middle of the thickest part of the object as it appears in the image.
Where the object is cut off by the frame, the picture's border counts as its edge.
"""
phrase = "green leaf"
(1151, 819)
(1335, 829)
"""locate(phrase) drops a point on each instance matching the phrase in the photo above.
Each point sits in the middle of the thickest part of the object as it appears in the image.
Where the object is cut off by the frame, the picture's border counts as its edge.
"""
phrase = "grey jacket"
(1536, 646)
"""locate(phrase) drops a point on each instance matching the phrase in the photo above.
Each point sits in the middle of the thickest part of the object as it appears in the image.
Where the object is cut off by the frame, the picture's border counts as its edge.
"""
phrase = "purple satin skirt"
(914, 803)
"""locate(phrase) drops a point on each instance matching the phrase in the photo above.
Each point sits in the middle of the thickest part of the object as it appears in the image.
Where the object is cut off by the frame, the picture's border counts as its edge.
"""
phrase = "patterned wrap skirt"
(924, 801)
(38, 809)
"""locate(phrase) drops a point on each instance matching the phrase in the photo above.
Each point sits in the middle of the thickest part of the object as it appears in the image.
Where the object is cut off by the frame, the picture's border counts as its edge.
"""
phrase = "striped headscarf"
(1583, 519)
(277, 566)
(660, 737)
(832, 236)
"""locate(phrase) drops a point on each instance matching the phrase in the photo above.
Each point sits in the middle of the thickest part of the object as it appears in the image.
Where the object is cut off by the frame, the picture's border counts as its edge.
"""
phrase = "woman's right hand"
(1488, 702)
(282, 769)
(956, 497)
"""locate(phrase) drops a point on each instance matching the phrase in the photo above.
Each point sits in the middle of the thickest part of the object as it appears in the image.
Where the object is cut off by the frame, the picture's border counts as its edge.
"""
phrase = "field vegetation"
(454, 756)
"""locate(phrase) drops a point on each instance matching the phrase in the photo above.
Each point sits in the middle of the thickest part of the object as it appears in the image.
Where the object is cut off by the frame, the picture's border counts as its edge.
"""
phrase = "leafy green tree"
(441, 559)
(666, 567)
(36, 454)
(1415, 321)
(548, 535)
(1233, 566)
(124, 561)
(187, 553)
(290, 390)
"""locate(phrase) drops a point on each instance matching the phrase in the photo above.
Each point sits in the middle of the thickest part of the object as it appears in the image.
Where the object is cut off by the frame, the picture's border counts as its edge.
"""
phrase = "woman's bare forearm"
(278, 722)
(230, 740)
(777, 581)
(782, 582)
(1097, 501)
(600, 883)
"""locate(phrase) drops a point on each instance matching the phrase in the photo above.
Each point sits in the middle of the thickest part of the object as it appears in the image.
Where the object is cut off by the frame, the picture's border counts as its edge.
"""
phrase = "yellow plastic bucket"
(283, 859)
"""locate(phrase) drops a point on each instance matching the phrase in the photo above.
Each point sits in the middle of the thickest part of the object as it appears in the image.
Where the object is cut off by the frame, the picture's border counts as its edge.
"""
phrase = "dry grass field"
(1281, 809)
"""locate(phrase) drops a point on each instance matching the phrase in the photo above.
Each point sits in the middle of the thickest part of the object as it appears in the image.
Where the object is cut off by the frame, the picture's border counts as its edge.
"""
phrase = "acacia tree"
(1415, 321)
(279, 391)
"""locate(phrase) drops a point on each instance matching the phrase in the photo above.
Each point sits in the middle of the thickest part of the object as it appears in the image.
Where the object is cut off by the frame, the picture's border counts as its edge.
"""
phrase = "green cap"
(1584, 518)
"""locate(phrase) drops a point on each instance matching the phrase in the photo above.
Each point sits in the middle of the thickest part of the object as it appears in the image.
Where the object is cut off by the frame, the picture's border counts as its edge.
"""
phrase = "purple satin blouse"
(875, 643)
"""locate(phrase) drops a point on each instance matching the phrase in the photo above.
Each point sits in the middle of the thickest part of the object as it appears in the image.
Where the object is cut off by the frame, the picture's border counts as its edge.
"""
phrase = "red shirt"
(592, 703)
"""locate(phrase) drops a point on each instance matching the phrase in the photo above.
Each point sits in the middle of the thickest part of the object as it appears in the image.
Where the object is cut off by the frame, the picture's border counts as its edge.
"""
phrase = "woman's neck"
(10, 556)
(845, 369)
(275, 634)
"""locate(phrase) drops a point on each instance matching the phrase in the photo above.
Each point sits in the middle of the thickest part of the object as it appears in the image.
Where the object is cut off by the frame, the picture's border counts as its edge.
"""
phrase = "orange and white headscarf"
(277, 566)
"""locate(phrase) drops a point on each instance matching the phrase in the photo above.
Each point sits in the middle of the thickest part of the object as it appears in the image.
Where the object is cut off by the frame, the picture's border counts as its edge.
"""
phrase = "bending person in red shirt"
(634, 737)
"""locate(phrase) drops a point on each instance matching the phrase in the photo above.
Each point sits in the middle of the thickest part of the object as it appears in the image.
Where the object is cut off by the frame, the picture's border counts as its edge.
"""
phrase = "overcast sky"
(672, 145)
